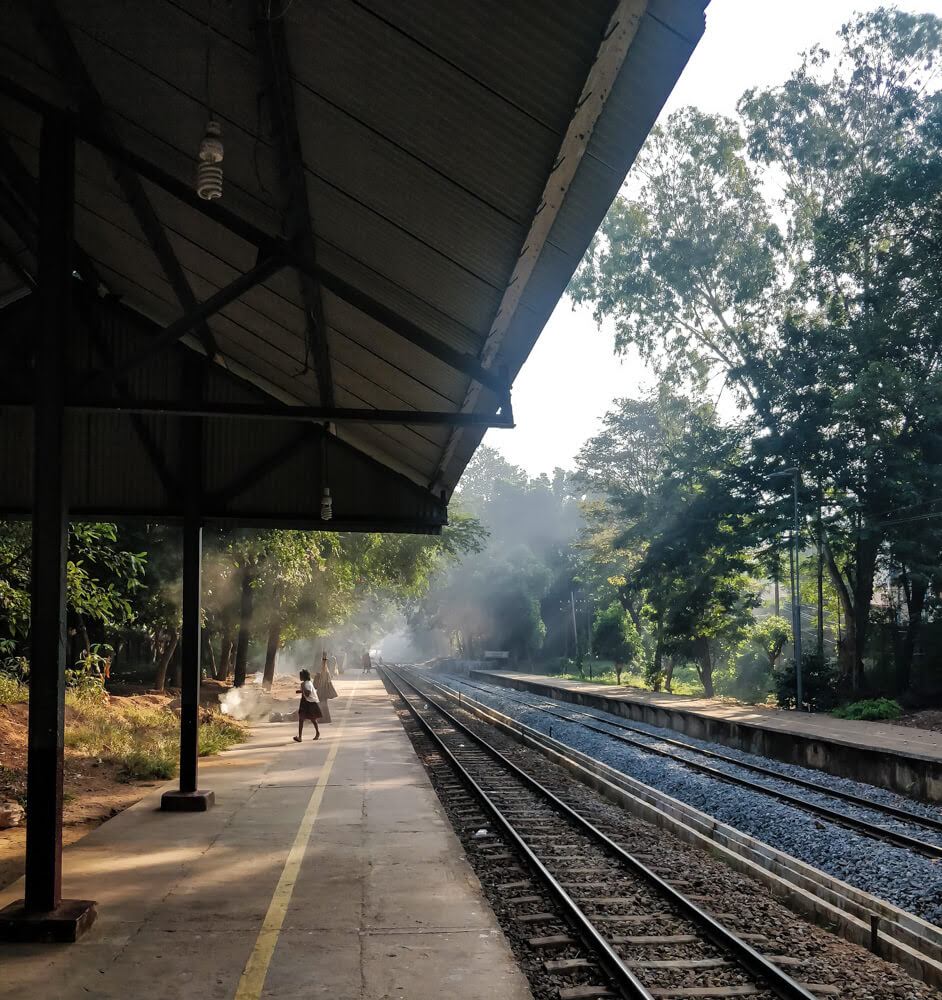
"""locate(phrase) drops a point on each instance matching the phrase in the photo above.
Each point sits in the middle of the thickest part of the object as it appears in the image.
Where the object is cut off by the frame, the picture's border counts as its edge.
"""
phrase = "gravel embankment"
(818, 957)
(906, 879)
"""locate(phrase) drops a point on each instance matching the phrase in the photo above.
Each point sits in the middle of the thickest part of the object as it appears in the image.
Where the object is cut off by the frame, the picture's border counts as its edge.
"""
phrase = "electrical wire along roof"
(406, 189)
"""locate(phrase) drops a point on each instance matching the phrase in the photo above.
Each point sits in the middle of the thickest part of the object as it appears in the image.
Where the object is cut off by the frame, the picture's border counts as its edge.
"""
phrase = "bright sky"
(572, 375)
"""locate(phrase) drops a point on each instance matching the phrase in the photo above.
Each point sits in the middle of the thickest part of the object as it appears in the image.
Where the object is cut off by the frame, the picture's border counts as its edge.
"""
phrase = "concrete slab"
(382, 903)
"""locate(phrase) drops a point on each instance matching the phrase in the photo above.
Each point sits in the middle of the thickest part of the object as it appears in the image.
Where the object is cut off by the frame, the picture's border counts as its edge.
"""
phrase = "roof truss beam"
(264, 269)
(53, 29)
(296, 414)
(123, 404)
(268, 464)
(91, 132)
(20, 201)
(272, 46)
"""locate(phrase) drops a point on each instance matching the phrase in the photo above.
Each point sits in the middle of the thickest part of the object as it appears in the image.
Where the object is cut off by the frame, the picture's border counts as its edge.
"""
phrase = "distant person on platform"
(309, 709)
(367, 663)
(325, 689)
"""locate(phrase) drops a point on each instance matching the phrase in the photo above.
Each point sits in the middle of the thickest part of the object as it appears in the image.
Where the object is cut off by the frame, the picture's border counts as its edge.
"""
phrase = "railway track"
(639, 740)
(606, 921)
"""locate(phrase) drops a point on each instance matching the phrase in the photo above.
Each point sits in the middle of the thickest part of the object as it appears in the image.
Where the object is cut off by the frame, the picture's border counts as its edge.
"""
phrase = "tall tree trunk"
(777, 604)
(274, 639)
(225, 656)
(855, 600)
(659, 655)
(245, 628)
(211, 655)
(863, 598)
(706, 666)
(83, 632)
(916, 592)
(171, 638)
(669, 674)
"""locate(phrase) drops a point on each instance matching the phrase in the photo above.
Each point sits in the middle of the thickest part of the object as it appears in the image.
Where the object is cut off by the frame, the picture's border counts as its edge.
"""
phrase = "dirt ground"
(94, 789)
(926, 718)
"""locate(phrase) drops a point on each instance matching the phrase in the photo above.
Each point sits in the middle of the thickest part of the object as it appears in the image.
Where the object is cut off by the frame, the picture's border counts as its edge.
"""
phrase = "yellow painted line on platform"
(252, 981)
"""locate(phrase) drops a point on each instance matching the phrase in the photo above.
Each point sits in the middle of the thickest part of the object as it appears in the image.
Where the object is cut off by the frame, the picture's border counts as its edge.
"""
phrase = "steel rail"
(778, 981)
(834, 815)
(616, 968)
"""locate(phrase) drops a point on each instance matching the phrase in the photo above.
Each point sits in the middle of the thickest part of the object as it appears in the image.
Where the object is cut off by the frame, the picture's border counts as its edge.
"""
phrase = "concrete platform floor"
(326, 869)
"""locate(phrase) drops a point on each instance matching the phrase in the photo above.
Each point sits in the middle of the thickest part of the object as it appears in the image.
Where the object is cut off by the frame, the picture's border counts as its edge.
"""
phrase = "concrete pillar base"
(177, 801)
(63, 925)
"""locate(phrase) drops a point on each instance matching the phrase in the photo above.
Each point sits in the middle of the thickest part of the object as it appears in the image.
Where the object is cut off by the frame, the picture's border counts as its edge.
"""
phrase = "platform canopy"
(407, 186)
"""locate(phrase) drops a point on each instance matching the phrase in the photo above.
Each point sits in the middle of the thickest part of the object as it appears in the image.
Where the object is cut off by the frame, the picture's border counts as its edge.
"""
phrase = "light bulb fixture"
(327, 505)
(209, 169)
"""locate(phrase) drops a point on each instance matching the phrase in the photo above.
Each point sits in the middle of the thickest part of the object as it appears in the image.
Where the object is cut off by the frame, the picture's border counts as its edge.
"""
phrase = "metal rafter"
(272, 46)
(91, 132)
(290, 414)
(265, 466)
(19, 207)
(179, 328)
(55, 32)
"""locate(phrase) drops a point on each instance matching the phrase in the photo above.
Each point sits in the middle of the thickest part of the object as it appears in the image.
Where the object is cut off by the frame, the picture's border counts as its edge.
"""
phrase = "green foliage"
(870, 710)
(818, 309)
(751, 679)
(12, 690)
(615, 637)
(768, 636)
(143, 739)
(218, 733)
(819, 683)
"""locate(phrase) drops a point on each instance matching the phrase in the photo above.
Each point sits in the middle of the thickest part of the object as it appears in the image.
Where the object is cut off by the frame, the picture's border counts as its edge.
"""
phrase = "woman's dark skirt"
(309, 710)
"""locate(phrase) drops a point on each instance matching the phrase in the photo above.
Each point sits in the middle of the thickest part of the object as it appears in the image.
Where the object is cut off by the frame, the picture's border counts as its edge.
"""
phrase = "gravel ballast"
(900, 876)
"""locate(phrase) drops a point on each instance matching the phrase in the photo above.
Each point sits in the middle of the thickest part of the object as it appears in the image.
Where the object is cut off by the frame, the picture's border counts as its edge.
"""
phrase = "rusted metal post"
(43, 914)
(189, 798)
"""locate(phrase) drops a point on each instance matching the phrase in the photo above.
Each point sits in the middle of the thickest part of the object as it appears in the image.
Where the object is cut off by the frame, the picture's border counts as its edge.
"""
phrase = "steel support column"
(43, 914)
(189, 798)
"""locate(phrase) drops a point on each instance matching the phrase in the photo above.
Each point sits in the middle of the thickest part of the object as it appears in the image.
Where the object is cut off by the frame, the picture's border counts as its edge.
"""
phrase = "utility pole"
(796, 584)
(575, 630)
(820, 582)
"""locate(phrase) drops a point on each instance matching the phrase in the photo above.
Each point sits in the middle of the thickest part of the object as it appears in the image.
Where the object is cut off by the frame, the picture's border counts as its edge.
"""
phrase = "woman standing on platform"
(325, 688)
(309, 710)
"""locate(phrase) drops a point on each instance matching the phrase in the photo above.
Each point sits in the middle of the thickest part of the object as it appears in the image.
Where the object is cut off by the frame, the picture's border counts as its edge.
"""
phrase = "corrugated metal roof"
(428, 137)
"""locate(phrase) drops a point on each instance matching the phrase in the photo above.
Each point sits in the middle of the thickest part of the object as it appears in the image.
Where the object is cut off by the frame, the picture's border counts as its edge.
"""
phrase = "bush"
(218, 733)
(819, 683)
(751, 679)
(12, 690)
(149, 764)
(14, 673)
(870, 710)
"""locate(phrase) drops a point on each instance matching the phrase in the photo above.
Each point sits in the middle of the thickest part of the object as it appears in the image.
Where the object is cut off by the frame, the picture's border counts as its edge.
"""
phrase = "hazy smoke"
(253, 703)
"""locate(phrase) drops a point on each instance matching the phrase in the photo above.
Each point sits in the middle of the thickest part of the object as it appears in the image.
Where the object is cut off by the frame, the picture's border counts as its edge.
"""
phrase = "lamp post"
(796, 597)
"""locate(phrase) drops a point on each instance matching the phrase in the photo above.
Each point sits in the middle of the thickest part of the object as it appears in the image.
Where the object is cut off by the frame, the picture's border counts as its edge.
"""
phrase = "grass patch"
(218, 733)
(870, 710)
(144, 740)
(604, 673)
(12, 691)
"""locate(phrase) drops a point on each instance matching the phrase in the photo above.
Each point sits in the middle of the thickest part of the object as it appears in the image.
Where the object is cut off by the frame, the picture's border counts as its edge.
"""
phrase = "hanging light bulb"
(327, 505)
(209, 169)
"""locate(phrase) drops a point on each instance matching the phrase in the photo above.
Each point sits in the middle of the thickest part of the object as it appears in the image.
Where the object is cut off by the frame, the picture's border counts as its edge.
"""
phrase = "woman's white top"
(309, 691)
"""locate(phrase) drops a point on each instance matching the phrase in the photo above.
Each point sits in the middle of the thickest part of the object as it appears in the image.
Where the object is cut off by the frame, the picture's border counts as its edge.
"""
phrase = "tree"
(614, 637)
(825, 326)
(769, 636)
